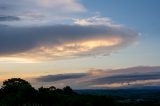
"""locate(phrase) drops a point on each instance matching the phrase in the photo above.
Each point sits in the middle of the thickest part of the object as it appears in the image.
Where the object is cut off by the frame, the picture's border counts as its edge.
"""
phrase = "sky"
(81, 43)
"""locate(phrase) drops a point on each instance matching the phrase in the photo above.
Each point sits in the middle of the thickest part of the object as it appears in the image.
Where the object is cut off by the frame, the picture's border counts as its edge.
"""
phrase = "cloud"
(127, 78)
(27, 5)
(35, 12)
(63, 41)
(59, 77)
(9, 18)
(131, 84)
(33, 30)
(96, 20)
(118, 78)
(68, 5)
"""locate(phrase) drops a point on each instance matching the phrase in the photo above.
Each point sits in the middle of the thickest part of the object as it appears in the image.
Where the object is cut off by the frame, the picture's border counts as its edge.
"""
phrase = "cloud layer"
(58, 41)
(51, 78)
(119, 78)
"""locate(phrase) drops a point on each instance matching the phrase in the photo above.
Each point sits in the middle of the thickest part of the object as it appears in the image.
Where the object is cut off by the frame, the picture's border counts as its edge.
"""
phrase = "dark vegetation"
(18, 92)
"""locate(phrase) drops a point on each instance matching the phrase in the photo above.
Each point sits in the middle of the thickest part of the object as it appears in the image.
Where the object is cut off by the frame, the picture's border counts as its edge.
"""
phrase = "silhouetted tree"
(68, 90)
(17, 83)
(17, 91)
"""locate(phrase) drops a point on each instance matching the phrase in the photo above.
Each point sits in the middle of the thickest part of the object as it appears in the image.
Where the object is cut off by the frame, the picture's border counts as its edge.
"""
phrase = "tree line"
(19, 92)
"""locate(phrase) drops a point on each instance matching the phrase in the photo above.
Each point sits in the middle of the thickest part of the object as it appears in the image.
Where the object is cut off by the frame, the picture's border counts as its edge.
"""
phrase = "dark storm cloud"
(53, 78)
(21, 39)
(9, 18)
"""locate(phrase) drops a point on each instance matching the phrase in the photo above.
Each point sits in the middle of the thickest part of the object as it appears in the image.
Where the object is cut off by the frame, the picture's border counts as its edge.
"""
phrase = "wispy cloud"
(119, 78)
(39, 11)
(96, 20)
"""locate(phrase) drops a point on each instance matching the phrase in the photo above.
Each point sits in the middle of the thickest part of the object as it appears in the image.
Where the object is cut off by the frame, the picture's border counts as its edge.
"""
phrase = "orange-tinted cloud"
(62, 41)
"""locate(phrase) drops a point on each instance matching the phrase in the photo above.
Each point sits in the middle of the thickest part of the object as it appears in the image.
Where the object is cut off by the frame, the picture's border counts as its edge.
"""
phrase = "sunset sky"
(82, 43)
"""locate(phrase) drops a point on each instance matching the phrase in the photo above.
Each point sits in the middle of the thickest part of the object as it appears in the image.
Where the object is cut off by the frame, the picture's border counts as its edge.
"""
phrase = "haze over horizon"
(82, 43)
